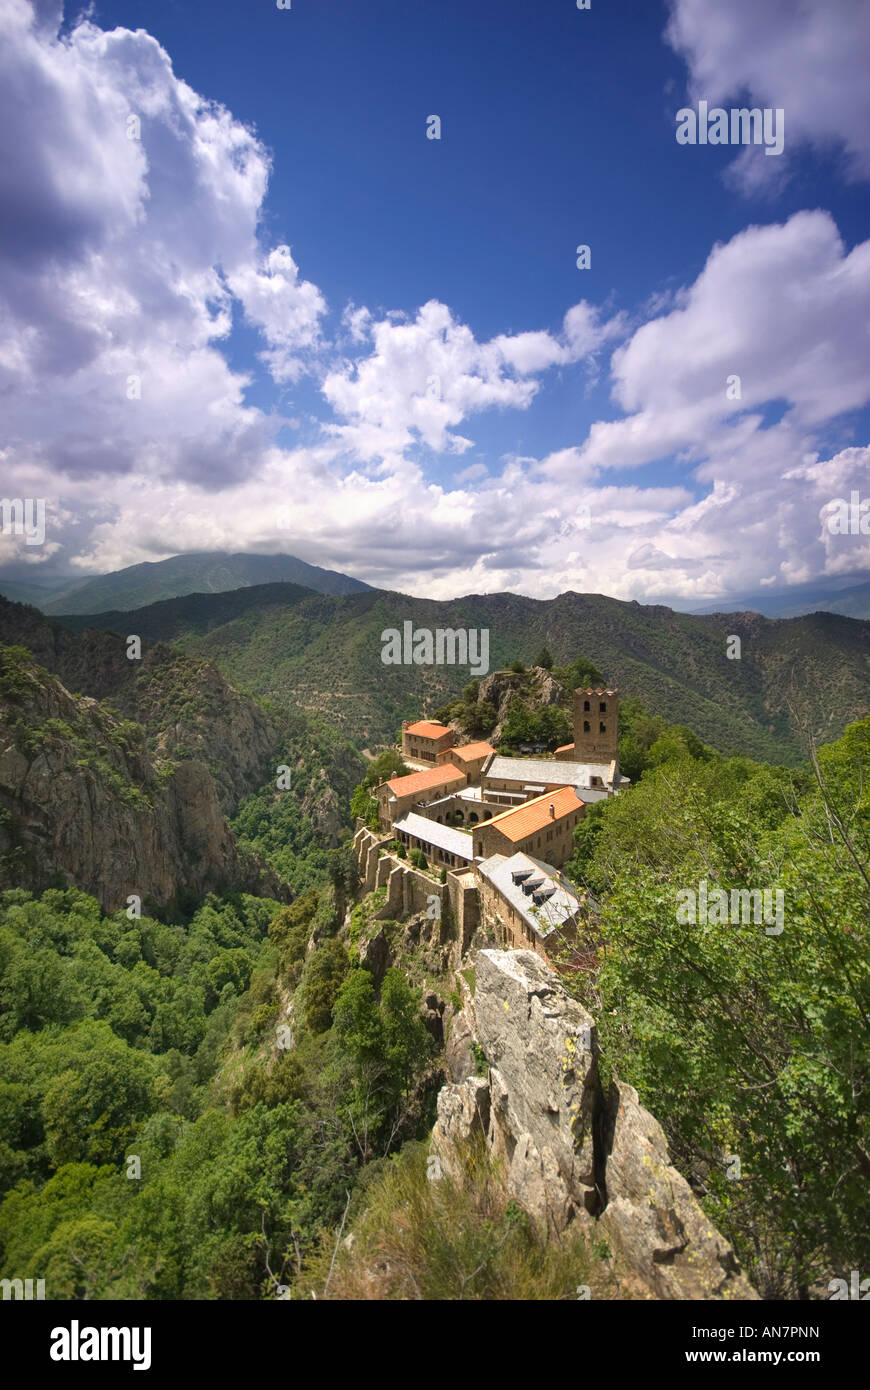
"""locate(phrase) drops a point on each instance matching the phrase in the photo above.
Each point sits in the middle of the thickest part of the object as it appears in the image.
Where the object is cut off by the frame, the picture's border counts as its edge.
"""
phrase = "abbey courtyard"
(499, 829)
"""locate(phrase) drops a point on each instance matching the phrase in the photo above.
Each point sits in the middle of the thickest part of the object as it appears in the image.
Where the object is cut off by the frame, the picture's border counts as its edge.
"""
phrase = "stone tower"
(596, 726)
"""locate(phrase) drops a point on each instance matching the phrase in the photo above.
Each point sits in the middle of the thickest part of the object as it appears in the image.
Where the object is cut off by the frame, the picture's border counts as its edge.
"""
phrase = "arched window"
(586, 726)
(602, 727)
(586, 706)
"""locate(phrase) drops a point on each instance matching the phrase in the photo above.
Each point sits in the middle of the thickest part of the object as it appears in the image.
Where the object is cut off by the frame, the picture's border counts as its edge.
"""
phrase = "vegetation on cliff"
(157, 1143)
(750, 1040)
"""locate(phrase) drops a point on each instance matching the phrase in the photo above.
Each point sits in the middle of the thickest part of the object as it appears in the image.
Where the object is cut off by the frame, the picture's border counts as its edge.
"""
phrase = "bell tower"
(596, 726)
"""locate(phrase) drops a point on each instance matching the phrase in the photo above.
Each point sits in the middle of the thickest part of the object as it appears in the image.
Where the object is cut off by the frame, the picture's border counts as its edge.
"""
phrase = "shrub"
(321, 982)
(428, 1235)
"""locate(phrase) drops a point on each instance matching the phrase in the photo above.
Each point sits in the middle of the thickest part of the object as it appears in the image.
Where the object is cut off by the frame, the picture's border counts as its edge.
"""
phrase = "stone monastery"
(501, 828)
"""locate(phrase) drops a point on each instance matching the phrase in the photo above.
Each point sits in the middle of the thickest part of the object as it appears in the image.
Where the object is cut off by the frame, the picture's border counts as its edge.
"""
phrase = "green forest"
(203, 1103)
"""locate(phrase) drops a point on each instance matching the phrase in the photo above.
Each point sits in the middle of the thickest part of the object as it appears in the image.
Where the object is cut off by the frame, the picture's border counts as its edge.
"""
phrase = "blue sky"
(271, 419)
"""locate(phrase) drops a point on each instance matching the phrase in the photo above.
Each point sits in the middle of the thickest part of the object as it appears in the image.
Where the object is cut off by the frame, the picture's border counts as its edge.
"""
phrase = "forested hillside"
(209, 572)
(808, 675)
(261, 1062)
(199, 1101)
(750, 1039)
(119, 769)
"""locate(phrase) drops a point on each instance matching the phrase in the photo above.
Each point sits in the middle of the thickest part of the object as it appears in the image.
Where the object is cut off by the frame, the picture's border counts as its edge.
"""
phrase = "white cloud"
(127, 258)
(287, 309)
(784, 308)
(424, 377)
(120, 257)
(809, 57)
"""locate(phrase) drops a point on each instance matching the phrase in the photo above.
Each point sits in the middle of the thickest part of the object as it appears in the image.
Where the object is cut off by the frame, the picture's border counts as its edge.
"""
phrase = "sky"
(248, 303)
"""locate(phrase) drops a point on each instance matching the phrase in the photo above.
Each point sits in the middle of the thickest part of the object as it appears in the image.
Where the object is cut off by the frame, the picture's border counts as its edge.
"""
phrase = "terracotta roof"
(593, 690)
(565, 748)
(532, 816)
(425, 728)
(422, 781)
(473, 750)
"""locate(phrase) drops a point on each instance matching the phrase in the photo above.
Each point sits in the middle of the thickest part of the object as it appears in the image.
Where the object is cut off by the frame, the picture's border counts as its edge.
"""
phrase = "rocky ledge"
(570, 1150)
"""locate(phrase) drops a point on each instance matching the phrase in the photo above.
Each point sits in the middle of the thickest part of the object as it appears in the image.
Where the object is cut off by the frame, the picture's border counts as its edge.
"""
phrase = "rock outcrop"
(502, 689)
(84, 801)
(569, 1151)
(188, 707)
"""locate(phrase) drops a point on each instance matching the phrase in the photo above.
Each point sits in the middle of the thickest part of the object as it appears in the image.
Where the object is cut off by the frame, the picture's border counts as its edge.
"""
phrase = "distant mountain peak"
(209, 572)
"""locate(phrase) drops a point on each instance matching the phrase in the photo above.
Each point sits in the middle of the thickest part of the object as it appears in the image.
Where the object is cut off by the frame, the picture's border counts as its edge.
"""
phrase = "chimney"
(552, 811)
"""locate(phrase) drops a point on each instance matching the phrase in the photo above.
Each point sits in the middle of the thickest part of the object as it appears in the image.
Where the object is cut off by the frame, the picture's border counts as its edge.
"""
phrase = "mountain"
(35, 594)
(84, 800)
(323, 654)
(114, 769)
(851, 602)
(211, 572)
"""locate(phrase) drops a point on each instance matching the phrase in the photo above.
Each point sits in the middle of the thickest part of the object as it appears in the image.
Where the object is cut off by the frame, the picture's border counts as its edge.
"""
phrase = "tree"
(321, 982)
(479, 719)
(544, 659)
(93, 1110)
(387, 764)
(747, 1041)
(578, 674)
(382, 1048)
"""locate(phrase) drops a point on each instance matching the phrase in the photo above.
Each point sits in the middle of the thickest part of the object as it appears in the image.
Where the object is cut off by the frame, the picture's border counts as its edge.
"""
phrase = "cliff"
(189, 709)
(84, 801)
(570, 1150)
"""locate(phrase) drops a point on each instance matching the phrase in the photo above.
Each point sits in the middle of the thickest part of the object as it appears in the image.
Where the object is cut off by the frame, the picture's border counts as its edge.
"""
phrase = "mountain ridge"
(209, 571)
(795, 677)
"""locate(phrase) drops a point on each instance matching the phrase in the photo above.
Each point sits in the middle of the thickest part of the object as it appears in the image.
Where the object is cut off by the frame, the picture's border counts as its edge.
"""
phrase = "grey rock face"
(84, 799)
(570, 1152)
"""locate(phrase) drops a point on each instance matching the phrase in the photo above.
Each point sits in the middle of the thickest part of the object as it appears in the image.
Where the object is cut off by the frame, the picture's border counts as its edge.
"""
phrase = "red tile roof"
(426, 728)
(566, 748)
(532, 816)
(422, 781)
(473, 750)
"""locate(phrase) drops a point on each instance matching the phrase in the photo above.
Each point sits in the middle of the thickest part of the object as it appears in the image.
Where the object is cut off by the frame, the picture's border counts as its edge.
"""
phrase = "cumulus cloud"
(811, 59)
(287, 309)
(783, 308)
(422, 378)
(124, 262)
(131, 209)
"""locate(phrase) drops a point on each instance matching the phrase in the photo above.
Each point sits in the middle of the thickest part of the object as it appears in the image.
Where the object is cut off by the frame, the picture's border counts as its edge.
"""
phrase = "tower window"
(602, 727)
(602, 706)
(586, 706)
(586, 726)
